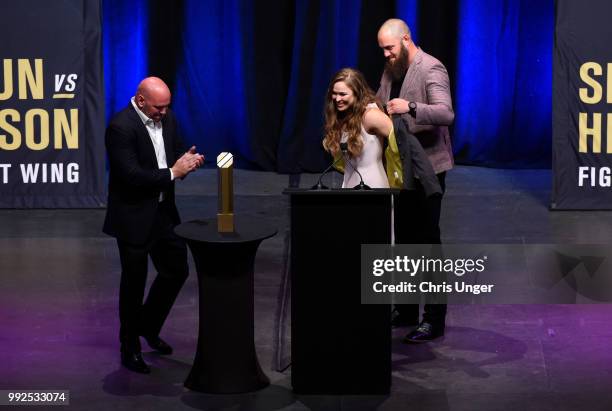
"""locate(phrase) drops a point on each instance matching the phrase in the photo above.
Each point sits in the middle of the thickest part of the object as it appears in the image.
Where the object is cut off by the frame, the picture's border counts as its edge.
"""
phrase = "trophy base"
(225, 223)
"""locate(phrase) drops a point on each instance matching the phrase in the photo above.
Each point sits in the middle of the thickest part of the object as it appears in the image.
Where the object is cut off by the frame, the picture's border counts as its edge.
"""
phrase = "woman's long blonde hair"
(349, 121)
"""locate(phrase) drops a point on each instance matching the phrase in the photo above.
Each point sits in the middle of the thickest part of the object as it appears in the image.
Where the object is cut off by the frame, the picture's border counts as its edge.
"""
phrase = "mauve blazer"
(426, 83)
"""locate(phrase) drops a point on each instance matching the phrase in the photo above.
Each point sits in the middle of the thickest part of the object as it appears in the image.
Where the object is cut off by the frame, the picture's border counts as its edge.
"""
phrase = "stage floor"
(59, 278)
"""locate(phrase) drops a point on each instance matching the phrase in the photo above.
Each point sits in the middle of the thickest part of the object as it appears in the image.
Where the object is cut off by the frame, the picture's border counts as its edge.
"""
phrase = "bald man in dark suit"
(146, 156)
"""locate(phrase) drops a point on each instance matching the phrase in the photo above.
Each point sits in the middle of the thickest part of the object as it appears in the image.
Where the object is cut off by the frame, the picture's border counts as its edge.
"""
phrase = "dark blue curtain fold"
(210, 96)
(250, 77)
(503, 98)
(125, 44)
(322, 44)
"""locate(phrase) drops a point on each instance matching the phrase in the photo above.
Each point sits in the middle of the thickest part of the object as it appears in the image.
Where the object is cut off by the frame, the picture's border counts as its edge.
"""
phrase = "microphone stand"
(320, 185)
(361, 185)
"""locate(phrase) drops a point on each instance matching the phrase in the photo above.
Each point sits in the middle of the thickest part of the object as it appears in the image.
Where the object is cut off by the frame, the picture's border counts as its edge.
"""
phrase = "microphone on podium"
(320, 185)
(361, 185)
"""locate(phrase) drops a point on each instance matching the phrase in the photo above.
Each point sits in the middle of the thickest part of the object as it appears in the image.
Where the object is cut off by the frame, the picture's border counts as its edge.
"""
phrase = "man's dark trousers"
(417, 221)
(169, 255)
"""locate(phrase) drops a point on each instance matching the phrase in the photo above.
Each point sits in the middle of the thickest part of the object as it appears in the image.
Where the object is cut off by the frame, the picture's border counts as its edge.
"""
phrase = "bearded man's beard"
(398, 68)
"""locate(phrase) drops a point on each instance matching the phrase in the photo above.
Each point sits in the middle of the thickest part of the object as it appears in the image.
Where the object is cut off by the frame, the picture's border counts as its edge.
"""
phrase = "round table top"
(246, 229)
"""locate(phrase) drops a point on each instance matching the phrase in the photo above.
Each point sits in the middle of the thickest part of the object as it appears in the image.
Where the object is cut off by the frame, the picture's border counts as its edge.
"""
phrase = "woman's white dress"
(369, 163)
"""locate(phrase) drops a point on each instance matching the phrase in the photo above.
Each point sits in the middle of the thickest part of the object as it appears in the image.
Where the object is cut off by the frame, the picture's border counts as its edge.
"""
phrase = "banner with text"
(51, 105)
(582, 98)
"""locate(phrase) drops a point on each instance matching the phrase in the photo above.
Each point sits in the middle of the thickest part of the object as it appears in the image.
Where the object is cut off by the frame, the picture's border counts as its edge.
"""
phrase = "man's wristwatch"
(412, 108)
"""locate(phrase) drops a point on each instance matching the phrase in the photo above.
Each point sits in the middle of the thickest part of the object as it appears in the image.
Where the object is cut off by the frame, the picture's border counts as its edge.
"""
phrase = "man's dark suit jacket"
(415, 162)
(135, 179)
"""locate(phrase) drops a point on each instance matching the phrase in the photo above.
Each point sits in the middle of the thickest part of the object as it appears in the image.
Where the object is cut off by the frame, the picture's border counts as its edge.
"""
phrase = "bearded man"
(415, 86)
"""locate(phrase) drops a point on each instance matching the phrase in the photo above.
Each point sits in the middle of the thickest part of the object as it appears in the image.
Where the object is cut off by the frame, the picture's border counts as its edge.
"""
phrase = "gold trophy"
(225, 185)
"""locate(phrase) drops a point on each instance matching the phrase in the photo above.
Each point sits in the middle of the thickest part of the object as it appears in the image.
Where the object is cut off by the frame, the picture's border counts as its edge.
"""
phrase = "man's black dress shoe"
(133, 361)
(423, 333)
(159, 345)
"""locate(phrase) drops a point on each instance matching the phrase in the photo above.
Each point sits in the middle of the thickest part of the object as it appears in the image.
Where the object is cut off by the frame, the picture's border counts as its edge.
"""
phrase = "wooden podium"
(338, 345)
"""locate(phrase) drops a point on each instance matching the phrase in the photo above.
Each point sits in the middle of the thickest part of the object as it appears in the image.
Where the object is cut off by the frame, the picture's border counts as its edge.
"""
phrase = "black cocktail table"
(225, 360)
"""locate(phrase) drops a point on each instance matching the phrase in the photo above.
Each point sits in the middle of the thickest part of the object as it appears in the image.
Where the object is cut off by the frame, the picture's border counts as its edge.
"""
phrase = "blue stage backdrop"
(250, 77)
(51, 105)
